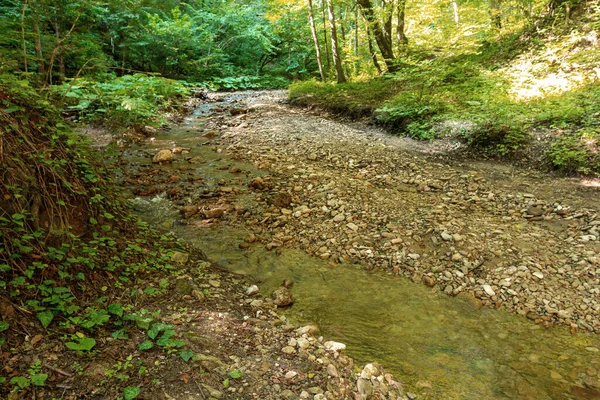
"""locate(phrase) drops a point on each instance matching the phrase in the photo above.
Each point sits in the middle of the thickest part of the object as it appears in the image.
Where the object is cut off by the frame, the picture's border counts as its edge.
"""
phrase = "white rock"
(447, 237)
(252, 290)
(352, 226)
(368, 371)
(538, 275)
(488, 289)
(334, 346)
(291, 375)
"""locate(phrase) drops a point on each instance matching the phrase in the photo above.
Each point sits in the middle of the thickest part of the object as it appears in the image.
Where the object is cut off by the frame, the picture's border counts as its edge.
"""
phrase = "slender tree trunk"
(400, 35)
(496, 13)
(313, 30)
(337, 59)
(60, 57)
(39, 55)
(343, 25)
(23, 36)
(384, 44)
(455, 12)
(372, 51)
(356, 31)
(327, 56)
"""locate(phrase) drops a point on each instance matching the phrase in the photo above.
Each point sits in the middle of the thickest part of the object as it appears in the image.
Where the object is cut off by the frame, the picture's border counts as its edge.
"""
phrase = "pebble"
(334, 346)
(488, 289)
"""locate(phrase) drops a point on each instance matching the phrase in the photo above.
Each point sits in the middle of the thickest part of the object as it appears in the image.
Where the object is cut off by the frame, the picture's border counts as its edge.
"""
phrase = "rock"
(429, 280)
(252, 290)
(291, 375)
(307, 329)
(209, 362)
(149, 130)
(184, 285)
(212, 392)
(538, 275)
(312, 156)
(180, 257)
(180, 150)
(287, 283)
(214, 283)
(282, 297)
(339, 217)
(352, 226)
(282, 200)
(368, 371)
(447, 237)
(334, 346)
(196, 160)
(289, 350)
(163, 156)
(535, 210)
(214, 213)
(365, 388)
(488, 289)
(188, 211)
(251, 238)
(257, 183)
(332, 371)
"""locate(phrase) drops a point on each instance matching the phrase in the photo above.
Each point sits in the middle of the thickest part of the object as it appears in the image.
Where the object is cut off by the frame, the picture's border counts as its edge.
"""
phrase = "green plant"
(3, 326)
(33, 377)
(131, 392)
(166, 339)
(81, 343)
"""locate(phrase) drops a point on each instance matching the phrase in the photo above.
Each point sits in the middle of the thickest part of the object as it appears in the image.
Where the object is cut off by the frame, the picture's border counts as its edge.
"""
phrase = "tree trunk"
(400, 35)
(372, 51)
(337, 60)
(496, 13)
(356, 32)
(455, 11)
(327, 57)
(313, 30)
(61, 59)
(384, 44)
(38, 45)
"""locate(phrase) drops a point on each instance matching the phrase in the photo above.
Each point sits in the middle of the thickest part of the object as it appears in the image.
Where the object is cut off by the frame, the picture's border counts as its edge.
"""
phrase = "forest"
(99, 298)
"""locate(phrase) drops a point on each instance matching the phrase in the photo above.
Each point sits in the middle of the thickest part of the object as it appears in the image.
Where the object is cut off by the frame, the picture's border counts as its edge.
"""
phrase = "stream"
(438, 346)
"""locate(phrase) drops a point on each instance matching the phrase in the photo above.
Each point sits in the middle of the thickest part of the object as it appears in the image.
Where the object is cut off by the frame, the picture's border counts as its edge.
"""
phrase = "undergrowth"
(128, 101)
(75, 265)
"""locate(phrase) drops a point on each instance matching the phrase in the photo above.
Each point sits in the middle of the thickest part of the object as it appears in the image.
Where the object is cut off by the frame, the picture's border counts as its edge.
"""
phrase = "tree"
(313, 30)
(383, 40)
(400, 35)
(335, 51)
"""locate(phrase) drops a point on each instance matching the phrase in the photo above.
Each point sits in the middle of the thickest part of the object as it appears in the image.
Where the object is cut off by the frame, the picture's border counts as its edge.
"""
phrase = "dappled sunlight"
(556, 70)
(590, 182)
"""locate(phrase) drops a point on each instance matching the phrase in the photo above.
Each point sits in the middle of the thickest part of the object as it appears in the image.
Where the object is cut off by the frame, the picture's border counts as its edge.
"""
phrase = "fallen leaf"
(36, 339)
(184, 377)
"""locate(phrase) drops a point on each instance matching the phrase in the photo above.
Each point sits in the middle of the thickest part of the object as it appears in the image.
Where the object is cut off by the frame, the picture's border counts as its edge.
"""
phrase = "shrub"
(128, 101)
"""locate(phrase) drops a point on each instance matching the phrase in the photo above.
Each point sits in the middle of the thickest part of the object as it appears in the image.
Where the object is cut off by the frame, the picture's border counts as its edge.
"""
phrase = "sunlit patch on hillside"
(557, 69)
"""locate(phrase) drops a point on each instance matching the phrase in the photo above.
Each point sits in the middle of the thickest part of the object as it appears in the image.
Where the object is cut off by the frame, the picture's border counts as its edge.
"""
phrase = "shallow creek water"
(440, 346)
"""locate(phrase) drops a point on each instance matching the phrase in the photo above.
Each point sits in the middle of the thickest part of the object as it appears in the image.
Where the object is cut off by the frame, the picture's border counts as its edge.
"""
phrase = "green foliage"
(131, 392)
(131, 100)
(33, 377)
(81, 343)
(249, 82)
(577, 152)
